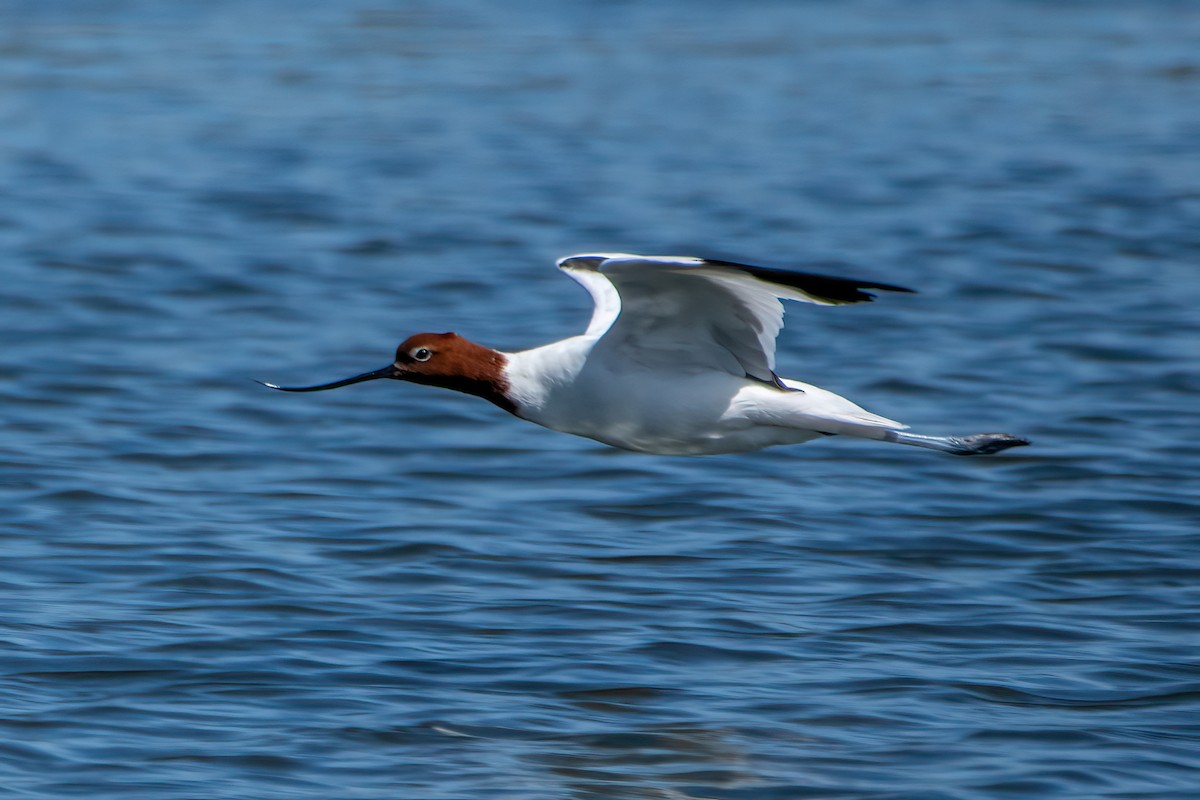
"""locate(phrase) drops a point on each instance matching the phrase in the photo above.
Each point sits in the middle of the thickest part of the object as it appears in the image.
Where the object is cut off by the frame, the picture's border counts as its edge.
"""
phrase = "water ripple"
(394, 592)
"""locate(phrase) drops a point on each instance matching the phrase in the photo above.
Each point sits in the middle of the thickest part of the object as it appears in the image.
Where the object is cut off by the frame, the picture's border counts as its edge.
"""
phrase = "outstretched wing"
(694, 313)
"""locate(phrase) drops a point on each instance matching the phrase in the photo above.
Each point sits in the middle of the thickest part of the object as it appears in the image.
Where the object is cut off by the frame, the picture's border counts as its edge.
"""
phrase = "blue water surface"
(209, 590)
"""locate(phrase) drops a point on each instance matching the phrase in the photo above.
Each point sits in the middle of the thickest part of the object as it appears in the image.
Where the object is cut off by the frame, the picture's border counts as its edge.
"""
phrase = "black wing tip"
(882, 287)
(888, 287)
(862, 286)
(825, 287)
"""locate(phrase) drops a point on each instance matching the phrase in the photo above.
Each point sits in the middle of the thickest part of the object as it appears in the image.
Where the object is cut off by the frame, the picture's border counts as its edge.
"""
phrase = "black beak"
(389, 371)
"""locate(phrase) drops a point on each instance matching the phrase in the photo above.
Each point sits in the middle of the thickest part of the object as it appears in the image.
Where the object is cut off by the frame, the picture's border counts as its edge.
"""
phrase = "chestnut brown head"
(436, 359)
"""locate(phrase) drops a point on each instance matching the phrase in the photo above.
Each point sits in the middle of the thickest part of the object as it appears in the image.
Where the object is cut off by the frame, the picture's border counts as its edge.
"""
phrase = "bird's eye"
(422, 354)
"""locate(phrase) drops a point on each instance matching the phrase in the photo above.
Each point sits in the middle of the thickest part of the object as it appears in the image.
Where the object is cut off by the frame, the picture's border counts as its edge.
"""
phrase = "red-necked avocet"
(678, 359)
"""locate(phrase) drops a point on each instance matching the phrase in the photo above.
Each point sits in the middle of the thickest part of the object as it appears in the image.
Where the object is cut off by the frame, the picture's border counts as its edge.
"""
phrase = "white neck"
(534, 375)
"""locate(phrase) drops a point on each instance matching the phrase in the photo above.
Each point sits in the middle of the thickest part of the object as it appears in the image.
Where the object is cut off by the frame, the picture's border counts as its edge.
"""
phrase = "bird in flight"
(678, 359)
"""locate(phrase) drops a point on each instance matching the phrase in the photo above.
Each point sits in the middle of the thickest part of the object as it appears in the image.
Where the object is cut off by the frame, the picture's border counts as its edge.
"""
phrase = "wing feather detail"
(684, 313)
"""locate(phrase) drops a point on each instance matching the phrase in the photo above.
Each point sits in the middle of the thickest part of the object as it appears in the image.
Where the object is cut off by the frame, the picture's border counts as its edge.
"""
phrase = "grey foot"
(984, 444)
(977, 444)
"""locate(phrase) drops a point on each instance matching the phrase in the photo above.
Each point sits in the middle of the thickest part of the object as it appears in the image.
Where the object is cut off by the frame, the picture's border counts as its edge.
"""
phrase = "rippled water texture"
(211, 590)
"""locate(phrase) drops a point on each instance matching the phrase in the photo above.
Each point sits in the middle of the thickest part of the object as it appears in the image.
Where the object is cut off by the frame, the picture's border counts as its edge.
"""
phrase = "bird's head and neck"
(438, 359)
